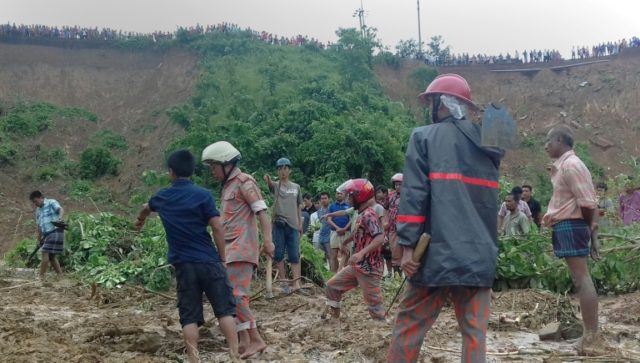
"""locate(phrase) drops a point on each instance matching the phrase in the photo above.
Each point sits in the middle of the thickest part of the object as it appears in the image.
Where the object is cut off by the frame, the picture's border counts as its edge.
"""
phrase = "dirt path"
(65, 321)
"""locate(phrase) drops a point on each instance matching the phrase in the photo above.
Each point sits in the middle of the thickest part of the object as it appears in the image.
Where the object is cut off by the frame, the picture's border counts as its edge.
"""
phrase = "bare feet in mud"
(593, 345)
(253, 349)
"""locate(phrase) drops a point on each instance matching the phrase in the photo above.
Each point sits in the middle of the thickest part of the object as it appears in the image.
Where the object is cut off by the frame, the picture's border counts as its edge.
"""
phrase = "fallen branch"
(17, 286)
(299, 306)
(159, 294)
(608, 235)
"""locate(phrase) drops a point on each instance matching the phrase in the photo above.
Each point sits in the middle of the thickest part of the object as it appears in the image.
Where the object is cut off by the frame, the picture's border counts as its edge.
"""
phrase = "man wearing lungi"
(49, 236)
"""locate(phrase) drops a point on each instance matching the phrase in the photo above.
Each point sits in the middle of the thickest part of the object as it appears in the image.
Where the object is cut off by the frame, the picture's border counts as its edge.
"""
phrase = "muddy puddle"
(67, 321)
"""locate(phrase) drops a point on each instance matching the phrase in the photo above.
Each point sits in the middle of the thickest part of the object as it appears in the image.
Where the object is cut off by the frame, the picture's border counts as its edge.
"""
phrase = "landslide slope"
(600, 101)
(128, 91)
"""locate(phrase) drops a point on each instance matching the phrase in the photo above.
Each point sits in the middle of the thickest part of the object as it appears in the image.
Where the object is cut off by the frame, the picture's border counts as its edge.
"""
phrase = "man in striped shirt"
(571, 215)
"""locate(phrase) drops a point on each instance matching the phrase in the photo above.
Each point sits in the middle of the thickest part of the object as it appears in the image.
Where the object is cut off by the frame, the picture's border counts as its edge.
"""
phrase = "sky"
(471, 26)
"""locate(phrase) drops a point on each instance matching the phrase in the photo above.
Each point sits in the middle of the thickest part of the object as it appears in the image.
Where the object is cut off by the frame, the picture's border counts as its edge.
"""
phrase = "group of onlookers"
(520, 211)
(106, 34)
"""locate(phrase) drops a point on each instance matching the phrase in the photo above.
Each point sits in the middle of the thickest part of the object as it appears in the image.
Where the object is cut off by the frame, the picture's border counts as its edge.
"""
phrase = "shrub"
(96, 162)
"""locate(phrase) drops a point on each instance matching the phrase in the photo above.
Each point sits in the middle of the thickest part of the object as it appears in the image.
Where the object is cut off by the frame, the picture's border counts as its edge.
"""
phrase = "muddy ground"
(64, 320)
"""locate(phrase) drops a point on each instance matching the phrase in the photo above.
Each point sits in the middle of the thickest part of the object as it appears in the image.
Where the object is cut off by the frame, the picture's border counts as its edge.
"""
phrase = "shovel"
(269, 282)
(421, 247)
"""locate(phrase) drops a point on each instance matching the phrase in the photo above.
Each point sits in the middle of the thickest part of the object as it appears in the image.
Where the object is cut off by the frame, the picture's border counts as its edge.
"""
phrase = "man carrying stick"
(449, 190)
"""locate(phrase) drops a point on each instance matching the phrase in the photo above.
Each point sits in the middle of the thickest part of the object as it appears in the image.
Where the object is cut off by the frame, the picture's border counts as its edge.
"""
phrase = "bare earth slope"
(601, 102)
(129, 92)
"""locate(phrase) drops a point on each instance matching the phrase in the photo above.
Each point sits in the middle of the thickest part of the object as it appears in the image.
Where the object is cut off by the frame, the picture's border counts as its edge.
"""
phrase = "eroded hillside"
(129, 92)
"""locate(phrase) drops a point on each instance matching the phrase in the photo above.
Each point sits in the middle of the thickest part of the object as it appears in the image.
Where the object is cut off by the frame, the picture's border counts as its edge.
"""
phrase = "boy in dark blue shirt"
(186, 210)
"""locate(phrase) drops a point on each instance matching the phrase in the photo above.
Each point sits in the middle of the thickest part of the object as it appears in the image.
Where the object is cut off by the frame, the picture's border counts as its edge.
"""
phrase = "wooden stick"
(16, 286)
(269, 282)
(299, 306)
(159, 294)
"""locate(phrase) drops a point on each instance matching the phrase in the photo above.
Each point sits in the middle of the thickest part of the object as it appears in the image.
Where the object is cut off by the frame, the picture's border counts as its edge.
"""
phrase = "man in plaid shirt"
(50, 237)
(571, 215)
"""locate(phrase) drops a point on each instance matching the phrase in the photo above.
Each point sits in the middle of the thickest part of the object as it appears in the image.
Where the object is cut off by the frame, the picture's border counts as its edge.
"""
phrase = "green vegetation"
(422, 76)
(96, 162)
(83, 190)
(528, 261)
(325, 110)
(582, 150)
(109, 140)
(28, 119)
(104, 249)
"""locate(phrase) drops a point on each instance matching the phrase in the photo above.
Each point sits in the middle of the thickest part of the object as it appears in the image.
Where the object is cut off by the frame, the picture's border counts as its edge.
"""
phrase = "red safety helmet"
(396, 178)
(361, 190)
(449, 84)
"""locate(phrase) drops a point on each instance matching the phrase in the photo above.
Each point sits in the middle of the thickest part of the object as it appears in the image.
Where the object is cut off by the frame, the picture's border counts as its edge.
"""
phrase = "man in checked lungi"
(572, 216)
(50, 237)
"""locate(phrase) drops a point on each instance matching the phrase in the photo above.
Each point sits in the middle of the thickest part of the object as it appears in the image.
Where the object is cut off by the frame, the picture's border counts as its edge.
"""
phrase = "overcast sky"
(474, 26)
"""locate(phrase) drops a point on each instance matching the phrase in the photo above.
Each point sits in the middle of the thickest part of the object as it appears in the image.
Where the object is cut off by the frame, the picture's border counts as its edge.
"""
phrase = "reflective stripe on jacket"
(450, 190)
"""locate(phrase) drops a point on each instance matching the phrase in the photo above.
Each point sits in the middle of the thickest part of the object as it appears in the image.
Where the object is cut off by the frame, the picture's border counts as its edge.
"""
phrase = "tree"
(408, 49)
(355, 49)
(437, 50)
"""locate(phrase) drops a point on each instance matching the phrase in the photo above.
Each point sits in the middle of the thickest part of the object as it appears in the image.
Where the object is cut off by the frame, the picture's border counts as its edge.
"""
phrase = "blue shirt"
(339, 221)
(50, 211)
(325, 228)
(185, 210)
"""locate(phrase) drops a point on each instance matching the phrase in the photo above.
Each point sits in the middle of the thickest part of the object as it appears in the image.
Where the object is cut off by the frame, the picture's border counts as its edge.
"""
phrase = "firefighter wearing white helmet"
(242, 202)
(392, 237)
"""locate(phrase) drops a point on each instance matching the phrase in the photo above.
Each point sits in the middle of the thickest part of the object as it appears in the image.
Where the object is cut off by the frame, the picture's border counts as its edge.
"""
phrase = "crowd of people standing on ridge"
(13, 31)
(604, 49)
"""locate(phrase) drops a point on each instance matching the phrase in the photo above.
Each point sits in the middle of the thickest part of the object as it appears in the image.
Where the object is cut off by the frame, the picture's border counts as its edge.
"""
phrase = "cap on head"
(221, 152)
(283, 162)
(396, 178)
(361, 190)
(448, 84)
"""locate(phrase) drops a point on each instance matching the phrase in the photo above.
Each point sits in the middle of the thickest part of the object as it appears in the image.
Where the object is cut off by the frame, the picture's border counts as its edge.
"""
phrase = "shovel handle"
(269, 282)
(421, 247)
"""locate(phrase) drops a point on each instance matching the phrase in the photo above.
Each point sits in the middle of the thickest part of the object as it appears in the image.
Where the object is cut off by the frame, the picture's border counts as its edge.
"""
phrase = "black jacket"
(450, 190)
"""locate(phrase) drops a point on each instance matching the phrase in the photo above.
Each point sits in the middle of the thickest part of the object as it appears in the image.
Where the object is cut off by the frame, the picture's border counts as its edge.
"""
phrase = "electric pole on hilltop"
(419, 32)
(360, 14)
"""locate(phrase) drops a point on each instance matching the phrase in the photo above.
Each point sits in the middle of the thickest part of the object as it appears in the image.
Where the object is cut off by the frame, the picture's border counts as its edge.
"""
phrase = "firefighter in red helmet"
(449, 190)
(365, 267)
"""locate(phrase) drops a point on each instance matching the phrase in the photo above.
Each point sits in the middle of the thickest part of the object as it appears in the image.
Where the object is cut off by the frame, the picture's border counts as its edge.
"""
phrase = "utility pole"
(419, 33)
(360, 14)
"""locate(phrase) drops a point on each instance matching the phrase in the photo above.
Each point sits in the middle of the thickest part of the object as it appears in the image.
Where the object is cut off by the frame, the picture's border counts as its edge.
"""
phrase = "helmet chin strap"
(224, 171)
(435, 107)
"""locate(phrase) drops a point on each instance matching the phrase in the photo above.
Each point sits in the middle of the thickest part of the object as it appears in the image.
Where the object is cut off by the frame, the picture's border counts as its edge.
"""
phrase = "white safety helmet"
(397, 178)
(221, 152)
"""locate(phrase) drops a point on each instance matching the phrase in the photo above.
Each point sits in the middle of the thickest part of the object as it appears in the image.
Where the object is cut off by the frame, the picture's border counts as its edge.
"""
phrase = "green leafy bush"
(104, 249)
(96, 162)
(18, 256)
(28, 119)
(47, 173)
(528, 261)
(421, 77)
(8, 152)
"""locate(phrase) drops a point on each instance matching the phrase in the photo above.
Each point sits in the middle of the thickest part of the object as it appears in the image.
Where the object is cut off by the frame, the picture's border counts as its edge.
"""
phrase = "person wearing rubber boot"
(392, 236)
(450, 188)
(365, 266)
(242, 202)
